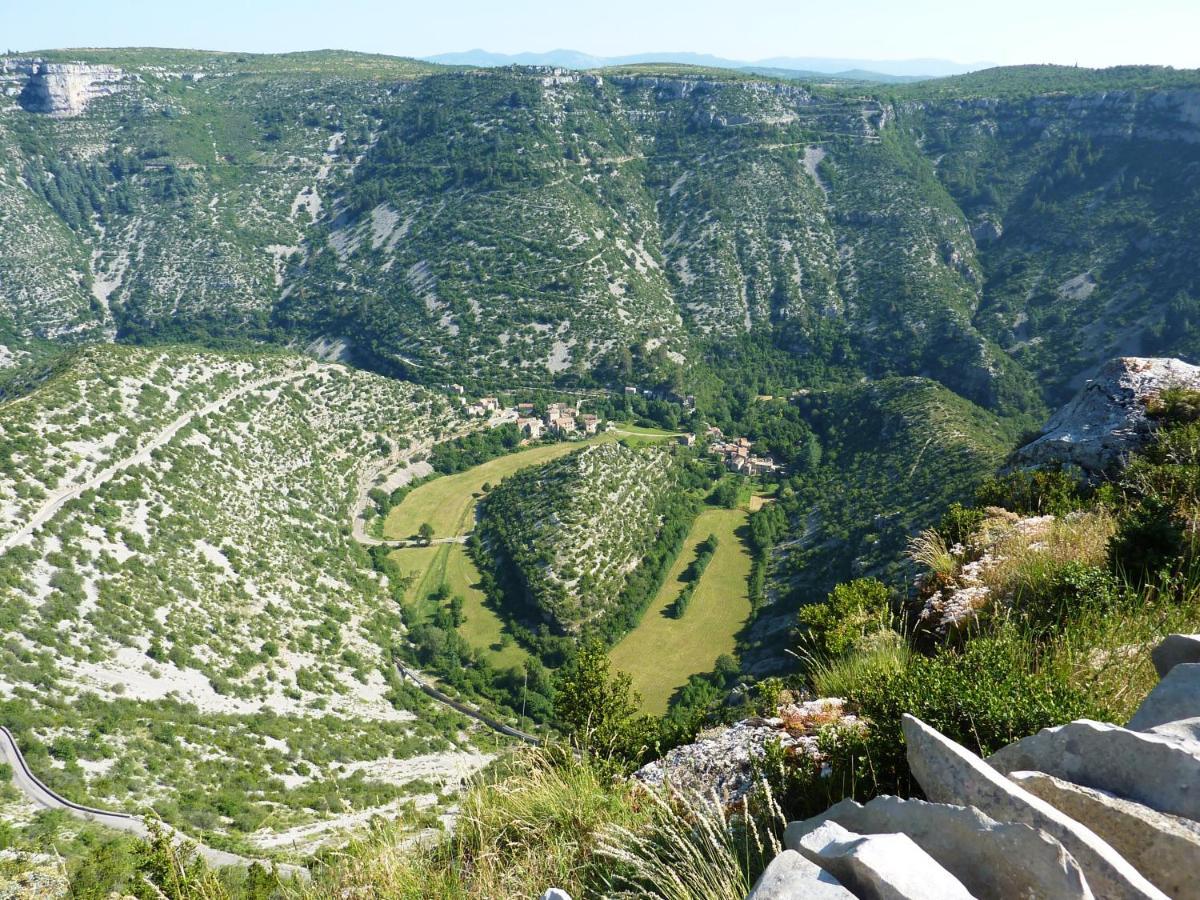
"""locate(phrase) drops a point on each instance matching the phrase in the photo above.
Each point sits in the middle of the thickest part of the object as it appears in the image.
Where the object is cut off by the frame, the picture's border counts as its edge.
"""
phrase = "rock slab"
(791, 876)
(1176, 697)
(1157, 771)
(1164, 848)
(1175, 649)
(950, 773)
(974, 848)
(1106, 421)
(879, 866)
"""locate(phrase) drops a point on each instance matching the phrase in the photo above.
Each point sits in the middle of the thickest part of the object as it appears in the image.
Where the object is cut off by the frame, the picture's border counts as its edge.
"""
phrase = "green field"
(449, 564)
(448, 504)
(662, 652)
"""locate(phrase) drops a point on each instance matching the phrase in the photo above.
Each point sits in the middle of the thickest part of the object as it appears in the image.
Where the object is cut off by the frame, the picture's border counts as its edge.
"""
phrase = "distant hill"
(784, 67)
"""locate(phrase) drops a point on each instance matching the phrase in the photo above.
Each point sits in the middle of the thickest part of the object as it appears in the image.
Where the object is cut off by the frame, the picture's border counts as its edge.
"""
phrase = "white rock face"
(1173, 650)
(1164, 848)
(1175, 698)
(974, 848)
(879, 866)
(950, 773)
(1161, 772)
(1106, 421)
(790, 875)
(65, 89)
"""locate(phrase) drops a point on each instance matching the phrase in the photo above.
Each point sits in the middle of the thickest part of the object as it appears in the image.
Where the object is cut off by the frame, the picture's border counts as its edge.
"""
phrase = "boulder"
(1164, 848)
(974, 848)
(878, 866)
(1185, 730)
(1176, 697)
(950, 773)
(1160, 772)
(1106, 420)
(1175, 649)
(790, 876)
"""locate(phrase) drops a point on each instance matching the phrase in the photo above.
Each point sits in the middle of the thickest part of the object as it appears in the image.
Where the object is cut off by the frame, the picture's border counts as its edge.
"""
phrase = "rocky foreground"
(1087, 809)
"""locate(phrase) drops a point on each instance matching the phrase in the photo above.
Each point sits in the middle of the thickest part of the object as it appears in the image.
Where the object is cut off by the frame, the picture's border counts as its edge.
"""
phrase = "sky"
(1086, 32)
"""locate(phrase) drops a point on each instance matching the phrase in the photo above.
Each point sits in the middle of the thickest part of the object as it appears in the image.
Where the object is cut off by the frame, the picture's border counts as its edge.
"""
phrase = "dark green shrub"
(1073, 589)
(1033, 492)
(852, 612)
(959, 523)
(984, 697)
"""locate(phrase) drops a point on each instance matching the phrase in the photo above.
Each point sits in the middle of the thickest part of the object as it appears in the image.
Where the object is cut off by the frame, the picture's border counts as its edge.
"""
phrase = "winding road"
(47, 798)
(466, 710)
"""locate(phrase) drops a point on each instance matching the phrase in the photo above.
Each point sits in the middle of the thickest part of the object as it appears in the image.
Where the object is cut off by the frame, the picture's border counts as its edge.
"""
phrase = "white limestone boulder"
(1165, 849)
(1160, 772)
(1175, 649)
(971, 846)
(1176, 697)
(879, 866)
(790, 876)
(950, 773)
(1185, 730)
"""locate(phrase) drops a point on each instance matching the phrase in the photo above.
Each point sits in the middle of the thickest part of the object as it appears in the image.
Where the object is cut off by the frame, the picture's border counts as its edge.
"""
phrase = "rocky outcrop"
(1164, 848)
(974, 848)
(879, 866)
(720, 763)
(790, 875)
(1159, 771)
(950, 773)
(62, 89)
(1087, 809)
(1106, 421)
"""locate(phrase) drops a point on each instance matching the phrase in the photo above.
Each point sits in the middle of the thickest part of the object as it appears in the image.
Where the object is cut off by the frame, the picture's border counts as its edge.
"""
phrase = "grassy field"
(662, 652)
(449, 564)
(448, 504)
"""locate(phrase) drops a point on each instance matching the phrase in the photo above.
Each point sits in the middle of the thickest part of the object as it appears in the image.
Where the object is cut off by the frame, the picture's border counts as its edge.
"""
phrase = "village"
(562, 420)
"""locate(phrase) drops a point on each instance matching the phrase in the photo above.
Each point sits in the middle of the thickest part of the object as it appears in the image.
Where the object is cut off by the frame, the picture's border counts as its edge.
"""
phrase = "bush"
(985, 697)
(851, 613)
(1033, 492)
(959, 523)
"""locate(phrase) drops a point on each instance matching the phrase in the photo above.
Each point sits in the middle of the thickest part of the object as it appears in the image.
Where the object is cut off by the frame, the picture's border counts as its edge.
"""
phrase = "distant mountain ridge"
(858, 69)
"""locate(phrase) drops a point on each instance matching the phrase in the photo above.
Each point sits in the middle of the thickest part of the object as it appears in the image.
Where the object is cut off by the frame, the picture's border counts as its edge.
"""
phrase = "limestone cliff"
(61, 89)
(1107, 420)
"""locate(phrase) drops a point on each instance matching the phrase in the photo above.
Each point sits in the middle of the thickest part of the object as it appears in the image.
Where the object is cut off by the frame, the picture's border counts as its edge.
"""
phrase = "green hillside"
(1001, 232)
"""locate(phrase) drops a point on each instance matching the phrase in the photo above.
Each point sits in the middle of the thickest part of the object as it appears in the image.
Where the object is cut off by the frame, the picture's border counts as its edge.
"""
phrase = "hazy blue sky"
(1090, 32)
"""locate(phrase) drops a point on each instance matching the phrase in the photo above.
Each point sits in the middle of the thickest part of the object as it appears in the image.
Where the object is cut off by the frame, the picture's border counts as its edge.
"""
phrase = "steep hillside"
(893, 456)
(570, 532)
(176, 569)
(1000, 232)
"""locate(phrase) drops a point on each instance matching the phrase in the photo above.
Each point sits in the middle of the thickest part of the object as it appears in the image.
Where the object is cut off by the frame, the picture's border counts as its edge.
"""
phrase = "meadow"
(663, 652)
(448, 503)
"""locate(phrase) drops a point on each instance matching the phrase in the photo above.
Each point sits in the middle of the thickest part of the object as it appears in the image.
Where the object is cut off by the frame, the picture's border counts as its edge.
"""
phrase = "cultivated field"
(662, 652)
(448, 504)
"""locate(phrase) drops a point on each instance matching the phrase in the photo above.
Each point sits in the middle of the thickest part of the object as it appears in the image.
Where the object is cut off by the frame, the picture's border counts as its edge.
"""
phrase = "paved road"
(37, 791)
(466, 710)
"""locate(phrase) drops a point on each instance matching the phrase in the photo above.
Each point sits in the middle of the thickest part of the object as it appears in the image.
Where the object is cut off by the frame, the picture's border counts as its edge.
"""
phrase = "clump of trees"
(692, 575)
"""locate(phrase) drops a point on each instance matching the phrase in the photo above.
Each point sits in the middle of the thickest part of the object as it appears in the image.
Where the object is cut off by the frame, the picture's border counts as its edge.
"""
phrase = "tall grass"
(929, 549)
(555, 821)
(838, 676)
(694, 850)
